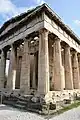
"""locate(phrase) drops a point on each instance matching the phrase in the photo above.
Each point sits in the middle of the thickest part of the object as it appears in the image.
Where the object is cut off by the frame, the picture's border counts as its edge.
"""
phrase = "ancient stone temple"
(39, 52)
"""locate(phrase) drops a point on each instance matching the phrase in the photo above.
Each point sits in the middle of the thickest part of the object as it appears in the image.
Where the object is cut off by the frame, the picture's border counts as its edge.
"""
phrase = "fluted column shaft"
(68, 69)
(58, 85)
(12, 69)
(79, 66)
(43, 63)
(75, 71)
(2, 69)
(34, 72)
(25, 69)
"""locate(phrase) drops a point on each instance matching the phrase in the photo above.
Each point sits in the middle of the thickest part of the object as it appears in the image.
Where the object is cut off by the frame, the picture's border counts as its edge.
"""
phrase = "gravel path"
(8, 113)
(73, 114)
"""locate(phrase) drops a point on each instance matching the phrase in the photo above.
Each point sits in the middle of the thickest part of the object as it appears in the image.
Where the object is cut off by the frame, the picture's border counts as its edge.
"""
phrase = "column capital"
(67, 46)
(78, 54)
(43, 30)
(11, 45)
(57, 39)
(2, 53)
(73, 51)
(2, 50)
(27, 39)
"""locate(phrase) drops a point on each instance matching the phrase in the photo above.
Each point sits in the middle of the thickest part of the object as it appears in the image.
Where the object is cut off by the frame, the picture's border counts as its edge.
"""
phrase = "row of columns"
(43, 65)
(11, 79)
(71, 68)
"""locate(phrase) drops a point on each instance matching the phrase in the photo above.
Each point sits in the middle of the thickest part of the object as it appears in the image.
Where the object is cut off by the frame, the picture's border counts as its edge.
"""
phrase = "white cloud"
(77, 22)
(8, 9)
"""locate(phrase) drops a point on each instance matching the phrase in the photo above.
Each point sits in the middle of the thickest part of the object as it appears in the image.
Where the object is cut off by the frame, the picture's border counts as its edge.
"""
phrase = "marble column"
(76, 80)
(68, 69)
(25, 69)
(31, 69)
(58, 84)
(19, 61)
(79, 64)
(43, 63)
(12, 69)
(2, 69)
(34, 71)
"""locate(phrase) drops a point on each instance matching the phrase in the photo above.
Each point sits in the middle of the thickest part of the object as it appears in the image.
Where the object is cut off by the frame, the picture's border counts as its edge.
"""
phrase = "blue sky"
(68, 10)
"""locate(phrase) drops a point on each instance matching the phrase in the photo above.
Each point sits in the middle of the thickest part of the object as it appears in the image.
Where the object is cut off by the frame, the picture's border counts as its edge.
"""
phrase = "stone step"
(21, 102)
(33, 110)
(9, 102)
(14, 104)
(23, 98)
(20, 106)
(35, 106)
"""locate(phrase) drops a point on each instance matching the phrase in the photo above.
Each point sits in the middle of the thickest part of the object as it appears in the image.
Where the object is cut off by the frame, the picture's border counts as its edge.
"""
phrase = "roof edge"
(67, 28)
